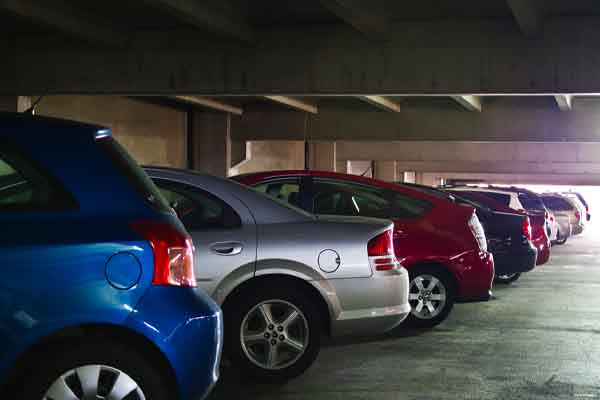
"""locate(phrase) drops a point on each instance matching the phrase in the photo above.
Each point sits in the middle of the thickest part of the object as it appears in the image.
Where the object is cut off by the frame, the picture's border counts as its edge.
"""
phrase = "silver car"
(579, 220)
(565, 214)
(283, 276)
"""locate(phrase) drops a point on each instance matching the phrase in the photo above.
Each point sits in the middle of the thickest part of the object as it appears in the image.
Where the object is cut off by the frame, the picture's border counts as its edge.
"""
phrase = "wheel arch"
(89, 332)
(437, 265)
(260, 281)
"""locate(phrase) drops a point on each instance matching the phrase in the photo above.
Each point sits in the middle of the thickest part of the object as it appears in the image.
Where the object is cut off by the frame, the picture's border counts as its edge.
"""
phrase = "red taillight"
(173, 253)
(578, 215)
(527, 229)
(382, 246)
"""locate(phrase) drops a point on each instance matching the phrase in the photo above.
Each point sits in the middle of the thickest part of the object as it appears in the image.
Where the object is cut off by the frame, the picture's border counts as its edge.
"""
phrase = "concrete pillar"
(341, 166)
(386, 171)
(364, 168)
(409, 177)
(15, 103)
(212, 143)
(322, 156)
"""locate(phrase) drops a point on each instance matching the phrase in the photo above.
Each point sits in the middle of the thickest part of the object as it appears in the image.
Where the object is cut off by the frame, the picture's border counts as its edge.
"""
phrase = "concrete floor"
(539, 339)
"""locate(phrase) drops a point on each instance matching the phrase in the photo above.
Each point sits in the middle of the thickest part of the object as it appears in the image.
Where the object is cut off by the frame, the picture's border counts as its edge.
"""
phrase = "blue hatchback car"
(97, 295)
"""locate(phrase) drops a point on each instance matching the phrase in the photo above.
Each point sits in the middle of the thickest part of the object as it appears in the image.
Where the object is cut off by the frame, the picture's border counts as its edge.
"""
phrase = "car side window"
(287, 190)
(499, 197)
(197, 209)
(26, 188)
(345, 198)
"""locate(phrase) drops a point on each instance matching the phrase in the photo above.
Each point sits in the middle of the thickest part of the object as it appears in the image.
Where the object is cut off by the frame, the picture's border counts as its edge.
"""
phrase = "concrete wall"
(155, 135)
(272, 155)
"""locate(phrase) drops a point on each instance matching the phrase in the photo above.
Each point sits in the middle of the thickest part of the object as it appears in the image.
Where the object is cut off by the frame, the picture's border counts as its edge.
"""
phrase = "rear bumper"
(542, 244)
(187, 326)
(577, 229)
(515, 259)
(367, 306)
(475, 275)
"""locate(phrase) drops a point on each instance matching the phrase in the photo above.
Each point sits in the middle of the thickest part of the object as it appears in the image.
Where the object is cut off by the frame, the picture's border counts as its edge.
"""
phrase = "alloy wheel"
(506, 277)
(92, 382)
(427, 296)
(274, 334)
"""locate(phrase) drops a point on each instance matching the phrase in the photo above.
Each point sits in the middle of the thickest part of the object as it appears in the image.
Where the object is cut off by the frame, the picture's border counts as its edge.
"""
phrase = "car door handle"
(227, 248)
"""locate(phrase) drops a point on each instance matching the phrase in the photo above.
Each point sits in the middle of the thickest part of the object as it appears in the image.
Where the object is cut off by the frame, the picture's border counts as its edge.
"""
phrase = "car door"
(224, 232)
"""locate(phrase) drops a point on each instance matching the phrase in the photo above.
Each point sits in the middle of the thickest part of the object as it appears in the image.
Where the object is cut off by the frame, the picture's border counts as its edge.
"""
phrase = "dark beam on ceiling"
(199, 15)
(528, 15)
(64, 18)
(360, 18)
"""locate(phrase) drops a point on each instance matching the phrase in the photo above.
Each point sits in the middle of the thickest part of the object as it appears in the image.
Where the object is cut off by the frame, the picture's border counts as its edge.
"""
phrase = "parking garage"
(499, 94)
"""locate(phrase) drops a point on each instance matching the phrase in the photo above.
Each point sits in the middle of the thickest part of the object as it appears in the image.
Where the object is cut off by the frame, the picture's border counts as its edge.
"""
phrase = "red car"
(442, 244)
(539, 234)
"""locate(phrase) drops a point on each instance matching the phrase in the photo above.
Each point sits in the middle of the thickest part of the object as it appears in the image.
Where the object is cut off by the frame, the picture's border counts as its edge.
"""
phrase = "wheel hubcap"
(274, 334)
(506, 276)
(427, 296)
(93, 382)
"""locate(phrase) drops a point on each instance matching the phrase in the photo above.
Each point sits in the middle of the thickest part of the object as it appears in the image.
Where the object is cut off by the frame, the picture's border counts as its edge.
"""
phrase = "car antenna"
(31, 109)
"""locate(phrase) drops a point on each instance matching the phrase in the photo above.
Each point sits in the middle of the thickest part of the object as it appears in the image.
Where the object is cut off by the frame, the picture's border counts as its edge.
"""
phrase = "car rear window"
(134, 174)
(556, 203)
(348, 198)
(531, 202)
(499, 197)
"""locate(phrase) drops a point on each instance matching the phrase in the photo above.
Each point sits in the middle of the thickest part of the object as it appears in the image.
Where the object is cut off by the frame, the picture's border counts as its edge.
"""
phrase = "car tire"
(107, 365)
(561, 240)
(245, 321)
(507, 278)
(443, 288)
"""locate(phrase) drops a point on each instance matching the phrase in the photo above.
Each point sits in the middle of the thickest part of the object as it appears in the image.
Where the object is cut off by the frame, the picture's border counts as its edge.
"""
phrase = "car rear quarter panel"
(54, 277)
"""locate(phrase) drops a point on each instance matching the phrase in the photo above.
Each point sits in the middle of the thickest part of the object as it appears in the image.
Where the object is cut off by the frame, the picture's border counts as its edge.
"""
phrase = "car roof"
(411, 191)
(10, 120)
(482, 189)
(264, 208)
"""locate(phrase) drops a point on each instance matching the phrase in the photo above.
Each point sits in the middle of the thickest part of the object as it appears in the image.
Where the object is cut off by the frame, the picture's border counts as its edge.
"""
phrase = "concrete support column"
(341, 166)
(386, 171)
(211, 142)
(363, 168)
(322, 156)
(409, 177)
(15, 103)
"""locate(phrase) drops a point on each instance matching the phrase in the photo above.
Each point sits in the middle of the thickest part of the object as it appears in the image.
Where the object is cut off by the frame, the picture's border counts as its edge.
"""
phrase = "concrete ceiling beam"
(530, 120)
(475, 57)
(470, 102)
(210, 103)
(382, 103)
(296, 104)
(528, 15)
(203, 17)
(67, 20)
(354, 13)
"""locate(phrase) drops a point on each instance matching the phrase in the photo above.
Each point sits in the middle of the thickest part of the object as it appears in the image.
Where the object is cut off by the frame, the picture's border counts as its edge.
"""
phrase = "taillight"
(527, 228)
(173, 253)
(381, 247)
(478, 232)
(578, 215)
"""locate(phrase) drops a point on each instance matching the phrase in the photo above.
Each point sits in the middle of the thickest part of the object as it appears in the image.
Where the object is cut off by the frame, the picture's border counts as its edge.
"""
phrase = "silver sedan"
(283, 276)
